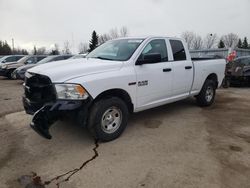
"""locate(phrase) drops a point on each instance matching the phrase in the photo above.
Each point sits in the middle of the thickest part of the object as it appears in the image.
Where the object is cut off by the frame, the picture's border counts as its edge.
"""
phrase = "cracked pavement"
(177, 145)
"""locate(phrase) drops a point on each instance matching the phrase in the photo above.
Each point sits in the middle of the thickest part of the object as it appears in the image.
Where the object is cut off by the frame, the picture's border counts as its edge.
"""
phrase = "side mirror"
(149, 58)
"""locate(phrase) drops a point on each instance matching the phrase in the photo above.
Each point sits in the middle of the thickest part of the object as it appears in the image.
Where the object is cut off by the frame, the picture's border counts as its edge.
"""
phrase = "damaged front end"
(42, 120)
(43, 100)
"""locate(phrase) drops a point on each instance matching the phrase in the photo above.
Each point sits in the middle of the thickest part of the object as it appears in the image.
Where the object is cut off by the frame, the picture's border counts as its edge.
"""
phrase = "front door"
(154, 80)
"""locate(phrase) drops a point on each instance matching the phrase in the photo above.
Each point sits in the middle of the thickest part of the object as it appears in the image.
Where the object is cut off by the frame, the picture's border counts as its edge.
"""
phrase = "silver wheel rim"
(209, 93)
(111, 120)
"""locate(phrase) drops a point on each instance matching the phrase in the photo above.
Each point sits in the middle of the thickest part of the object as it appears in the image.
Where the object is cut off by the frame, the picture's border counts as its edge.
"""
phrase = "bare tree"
(103, 38)
(210, 41)
(34, 52)
(188, 36)
(230, 40)
(55, 50)
(56, 47)
(66, 47)
(83, 48)
(114, 33)
(197, 43)
(41, 51)
(124, 31)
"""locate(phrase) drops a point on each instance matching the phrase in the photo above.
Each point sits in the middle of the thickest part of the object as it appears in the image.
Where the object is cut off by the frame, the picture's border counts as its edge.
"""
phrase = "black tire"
(9, 75)
(203, 99)
(98, 113)
(225, 83)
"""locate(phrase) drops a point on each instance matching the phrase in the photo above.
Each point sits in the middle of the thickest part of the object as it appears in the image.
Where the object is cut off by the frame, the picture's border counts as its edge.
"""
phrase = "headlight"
(4, 66)
(71, 91)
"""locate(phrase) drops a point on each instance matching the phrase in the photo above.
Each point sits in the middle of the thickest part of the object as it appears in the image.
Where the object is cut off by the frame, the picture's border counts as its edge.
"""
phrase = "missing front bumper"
(49, 113)
(42, 121)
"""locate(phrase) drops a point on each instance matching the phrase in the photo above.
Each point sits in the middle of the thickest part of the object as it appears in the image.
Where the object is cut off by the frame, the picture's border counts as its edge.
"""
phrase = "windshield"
(242, 61)
(46, 60)
(245, 61)
(116, 50)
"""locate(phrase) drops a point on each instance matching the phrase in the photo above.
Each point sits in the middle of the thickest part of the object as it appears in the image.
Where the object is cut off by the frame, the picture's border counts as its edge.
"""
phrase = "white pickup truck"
(121, 76)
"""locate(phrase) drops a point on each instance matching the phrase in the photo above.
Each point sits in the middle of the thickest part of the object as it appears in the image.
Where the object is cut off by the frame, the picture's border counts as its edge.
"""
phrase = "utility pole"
(12, 44)
(73, 43)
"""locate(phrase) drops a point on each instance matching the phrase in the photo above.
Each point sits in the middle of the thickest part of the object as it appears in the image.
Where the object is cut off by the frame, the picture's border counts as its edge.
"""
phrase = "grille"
(39, 89)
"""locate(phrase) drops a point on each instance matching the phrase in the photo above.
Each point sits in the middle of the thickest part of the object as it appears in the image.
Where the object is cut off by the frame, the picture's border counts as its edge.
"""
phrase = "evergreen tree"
(5, 48)
(221, 44)
(239, 45)
(54, 52)
(93, 43)
(245, 43)
(25, 52)
(34, 51)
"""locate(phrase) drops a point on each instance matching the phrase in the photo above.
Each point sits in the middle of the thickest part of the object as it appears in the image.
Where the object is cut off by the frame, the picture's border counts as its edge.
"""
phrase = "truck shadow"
(153, 116)
(156, 114)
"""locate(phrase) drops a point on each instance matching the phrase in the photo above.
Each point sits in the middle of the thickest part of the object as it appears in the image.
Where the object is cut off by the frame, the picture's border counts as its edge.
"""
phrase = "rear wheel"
(207, 94)
(108, 119)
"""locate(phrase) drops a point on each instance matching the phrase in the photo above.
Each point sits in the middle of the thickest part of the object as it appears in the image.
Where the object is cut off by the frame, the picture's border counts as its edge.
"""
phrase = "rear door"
(182, 69)
(154, 80)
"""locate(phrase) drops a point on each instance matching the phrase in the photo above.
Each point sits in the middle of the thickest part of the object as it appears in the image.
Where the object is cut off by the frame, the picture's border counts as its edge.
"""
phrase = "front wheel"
(108, 119)
(9, 75)
(207, 94)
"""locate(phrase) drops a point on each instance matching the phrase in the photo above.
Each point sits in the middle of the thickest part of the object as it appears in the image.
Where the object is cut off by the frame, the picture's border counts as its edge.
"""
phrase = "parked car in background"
(8, 68)
(27, 60)
(10, 58)
(239, 71)
(78, 56)
(20, 72)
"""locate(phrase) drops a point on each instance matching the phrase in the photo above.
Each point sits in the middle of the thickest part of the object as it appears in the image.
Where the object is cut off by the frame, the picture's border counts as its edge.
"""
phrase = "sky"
(46, 22)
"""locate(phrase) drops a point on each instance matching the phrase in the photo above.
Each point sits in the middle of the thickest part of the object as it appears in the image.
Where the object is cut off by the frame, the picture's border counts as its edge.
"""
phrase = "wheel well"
(213, 77)
(120, 93)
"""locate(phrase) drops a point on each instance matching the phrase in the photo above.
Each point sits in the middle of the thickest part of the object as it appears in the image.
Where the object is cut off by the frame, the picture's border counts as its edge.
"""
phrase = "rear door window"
(178, 50)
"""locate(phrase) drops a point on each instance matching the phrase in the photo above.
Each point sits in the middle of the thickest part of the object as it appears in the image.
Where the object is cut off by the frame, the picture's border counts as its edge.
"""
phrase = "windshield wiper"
(103, 58)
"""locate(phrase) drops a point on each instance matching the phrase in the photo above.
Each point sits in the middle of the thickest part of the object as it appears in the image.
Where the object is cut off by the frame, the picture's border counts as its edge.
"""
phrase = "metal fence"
(224, 52)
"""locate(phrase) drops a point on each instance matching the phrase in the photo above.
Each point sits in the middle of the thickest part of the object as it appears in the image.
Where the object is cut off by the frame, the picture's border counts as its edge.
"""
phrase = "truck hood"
(62, 71)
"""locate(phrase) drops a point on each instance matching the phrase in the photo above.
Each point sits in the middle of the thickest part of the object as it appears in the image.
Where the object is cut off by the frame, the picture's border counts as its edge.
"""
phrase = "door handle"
(188, 67)
(167, 70)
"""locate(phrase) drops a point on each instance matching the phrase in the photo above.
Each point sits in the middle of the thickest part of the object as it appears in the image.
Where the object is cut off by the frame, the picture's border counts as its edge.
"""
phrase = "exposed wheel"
(108, 119)
(207, 94)
(9, 75)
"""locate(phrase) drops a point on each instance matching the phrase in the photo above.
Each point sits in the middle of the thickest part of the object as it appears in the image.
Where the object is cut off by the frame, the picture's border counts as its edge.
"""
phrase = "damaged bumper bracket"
(51, 112)
(42, 120)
